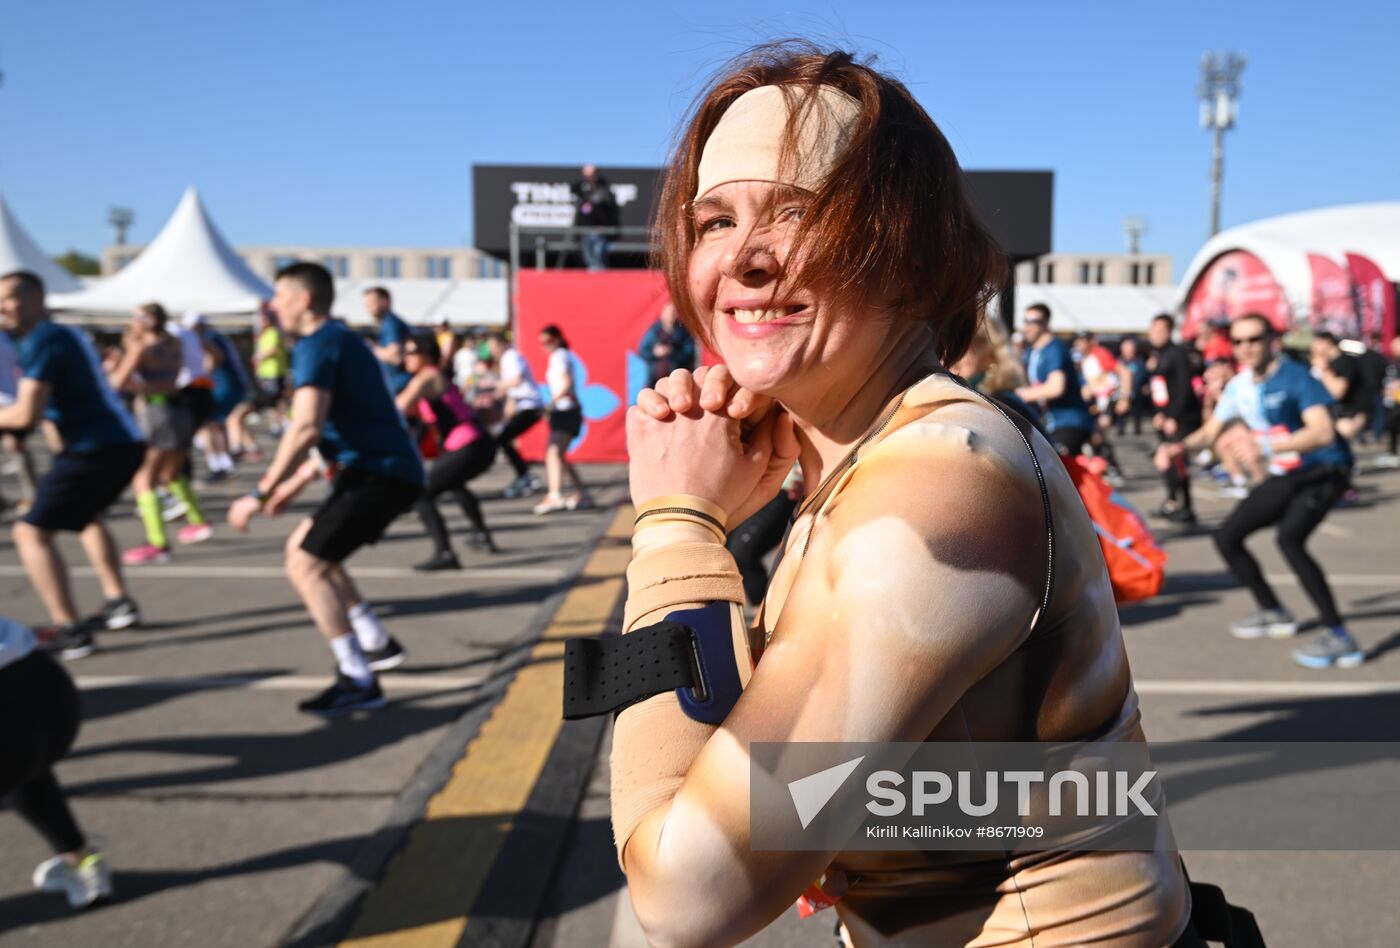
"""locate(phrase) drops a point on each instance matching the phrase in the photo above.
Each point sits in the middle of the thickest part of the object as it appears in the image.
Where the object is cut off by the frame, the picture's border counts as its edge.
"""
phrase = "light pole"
(1133, 229)
(119, 218)
(1219, 93)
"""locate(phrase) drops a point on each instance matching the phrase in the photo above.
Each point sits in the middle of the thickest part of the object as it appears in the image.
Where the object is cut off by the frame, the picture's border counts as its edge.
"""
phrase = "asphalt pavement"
(466, 813)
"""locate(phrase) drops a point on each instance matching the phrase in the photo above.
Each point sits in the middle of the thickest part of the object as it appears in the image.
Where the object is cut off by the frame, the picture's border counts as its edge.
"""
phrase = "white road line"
(1345, 579)
(1249, 688)
(485, 574)
(391, 683)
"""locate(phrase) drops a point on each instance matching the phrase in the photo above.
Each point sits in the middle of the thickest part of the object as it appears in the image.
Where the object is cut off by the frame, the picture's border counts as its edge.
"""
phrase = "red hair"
(893, 215)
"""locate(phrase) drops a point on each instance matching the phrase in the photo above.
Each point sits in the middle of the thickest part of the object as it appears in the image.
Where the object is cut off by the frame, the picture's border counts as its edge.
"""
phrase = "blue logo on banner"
(596, 401)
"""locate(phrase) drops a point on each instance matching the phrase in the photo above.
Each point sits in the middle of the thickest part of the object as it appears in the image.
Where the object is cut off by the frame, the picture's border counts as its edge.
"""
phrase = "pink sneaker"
(146, 554)
(195, 533)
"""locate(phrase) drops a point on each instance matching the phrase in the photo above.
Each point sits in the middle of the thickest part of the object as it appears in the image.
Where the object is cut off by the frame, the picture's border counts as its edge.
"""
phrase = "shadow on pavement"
(111, 701)
(1343, 718)
(1372, 722)
(255, 756)
(133, 644)
(404, 905)
(33, 908)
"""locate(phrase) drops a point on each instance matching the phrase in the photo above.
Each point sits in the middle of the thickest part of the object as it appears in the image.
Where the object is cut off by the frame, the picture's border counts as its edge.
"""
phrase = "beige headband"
(746, 145)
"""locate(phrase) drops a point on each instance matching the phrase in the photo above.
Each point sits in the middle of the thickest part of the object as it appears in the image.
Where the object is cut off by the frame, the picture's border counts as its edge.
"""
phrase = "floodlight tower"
(1219, 93)
(119, 218)
(1133, 229)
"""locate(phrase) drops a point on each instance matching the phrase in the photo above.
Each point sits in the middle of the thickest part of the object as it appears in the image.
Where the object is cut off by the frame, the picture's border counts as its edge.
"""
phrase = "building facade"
(1097, 269)
(354, 263)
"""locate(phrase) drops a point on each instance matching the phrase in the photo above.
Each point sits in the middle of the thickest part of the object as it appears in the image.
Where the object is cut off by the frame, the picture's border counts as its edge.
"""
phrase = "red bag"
(1137, 566)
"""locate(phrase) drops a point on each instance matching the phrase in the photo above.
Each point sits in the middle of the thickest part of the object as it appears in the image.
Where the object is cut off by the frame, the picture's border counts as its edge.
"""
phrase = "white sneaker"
(1386, 460)
(88, 882)
(172, 508)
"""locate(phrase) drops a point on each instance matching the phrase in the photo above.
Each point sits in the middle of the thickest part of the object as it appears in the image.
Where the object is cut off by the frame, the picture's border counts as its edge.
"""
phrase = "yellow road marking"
(431, 886)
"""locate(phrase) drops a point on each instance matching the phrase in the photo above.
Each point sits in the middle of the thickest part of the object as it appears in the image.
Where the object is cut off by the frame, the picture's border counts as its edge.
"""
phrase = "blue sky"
(357, 123)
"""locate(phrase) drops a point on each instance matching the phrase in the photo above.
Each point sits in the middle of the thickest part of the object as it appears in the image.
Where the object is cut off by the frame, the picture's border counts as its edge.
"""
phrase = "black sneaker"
(482, 541)
(1165, 512)
(443, 559)
(118, 614)
(392, 655)
(71, 641)
(1181, 515)
(343, 697)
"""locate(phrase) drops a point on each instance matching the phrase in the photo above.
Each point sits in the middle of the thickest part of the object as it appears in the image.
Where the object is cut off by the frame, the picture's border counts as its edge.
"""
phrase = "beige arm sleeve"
(674, 566)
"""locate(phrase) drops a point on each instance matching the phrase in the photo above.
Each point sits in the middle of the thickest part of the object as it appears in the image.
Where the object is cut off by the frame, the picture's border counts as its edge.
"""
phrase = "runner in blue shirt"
(393, 336)
(1054, 383)
(62, 381)
(228, 386)
(1275, 412)
(342, 403)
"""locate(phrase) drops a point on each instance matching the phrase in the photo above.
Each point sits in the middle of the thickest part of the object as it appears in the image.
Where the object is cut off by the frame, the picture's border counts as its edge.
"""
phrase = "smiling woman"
(941, 582)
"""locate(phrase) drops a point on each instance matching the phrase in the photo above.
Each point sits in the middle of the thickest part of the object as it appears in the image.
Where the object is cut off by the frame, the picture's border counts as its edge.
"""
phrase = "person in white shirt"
(522, 410)
(565, 423)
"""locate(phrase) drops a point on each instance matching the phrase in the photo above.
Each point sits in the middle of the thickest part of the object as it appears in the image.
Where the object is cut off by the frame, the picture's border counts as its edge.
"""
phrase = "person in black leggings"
(524, 409)
(39, 716)
(1287, 423)
(757, 536)
(1177, 415)
(467, 450)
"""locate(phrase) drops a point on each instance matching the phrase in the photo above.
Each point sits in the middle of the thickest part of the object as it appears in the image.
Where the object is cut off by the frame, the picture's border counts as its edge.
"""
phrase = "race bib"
(1161, 398)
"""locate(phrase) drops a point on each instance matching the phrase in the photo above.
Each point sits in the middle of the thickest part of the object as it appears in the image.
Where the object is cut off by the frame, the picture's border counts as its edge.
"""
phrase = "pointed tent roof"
(188, 266)
(18, 251)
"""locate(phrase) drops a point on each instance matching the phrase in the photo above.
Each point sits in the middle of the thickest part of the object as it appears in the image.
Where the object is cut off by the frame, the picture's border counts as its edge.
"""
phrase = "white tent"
(188, 266)
(18, 251)
(1111, 310)
(425, 302)
(1283, 243)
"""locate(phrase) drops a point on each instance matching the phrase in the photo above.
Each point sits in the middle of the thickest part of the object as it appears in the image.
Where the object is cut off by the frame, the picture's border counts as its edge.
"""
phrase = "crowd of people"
(1268, 424)
(398, 422)
(394, 423)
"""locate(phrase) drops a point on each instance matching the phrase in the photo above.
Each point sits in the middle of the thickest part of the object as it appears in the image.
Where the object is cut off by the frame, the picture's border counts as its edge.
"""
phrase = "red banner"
(603, 316)
(1332, 305)
(1235, 283)
(1375, 297)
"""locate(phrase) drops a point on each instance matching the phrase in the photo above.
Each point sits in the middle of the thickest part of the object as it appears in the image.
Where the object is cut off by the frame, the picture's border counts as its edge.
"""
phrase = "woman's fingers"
(654, 403)
(680, 390)
(745, 404)
(715, 387)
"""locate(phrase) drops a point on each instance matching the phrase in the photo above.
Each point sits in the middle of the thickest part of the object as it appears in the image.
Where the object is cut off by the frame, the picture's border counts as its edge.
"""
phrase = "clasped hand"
(701, 433)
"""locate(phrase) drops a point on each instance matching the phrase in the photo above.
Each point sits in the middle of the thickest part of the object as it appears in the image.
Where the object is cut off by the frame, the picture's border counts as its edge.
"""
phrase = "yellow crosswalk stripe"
(432, 884)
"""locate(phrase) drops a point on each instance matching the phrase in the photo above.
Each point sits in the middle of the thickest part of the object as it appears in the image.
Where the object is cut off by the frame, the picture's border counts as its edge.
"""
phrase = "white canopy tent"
(1109, 310)
(188, 266)
(19, 251)
(1283, 243)
(425, 302)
